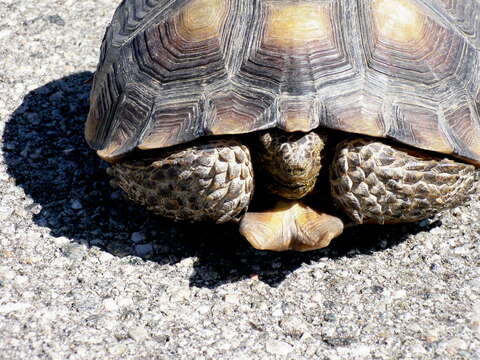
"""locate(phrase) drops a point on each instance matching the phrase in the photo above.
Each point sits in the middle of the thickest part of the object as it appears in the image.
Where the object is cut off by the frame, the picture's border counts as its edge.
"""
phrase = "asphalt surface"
(85, 274)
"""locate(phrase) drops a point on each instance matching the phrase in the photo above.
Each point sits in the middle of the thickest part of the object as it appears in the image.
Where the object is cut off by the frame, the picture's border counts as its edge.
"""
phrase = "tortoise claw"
(290, 226)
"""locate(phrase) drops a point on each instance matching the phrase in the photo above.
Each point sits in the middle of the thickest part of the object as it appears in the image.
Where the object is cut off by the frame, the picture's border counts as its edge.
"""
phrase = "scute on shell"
(173, 71)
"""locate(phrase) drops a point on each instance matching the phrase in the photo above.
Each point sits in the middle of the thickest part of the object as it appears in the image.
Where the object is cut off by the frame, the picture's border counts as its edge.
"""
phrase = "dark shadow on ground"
(47, 156)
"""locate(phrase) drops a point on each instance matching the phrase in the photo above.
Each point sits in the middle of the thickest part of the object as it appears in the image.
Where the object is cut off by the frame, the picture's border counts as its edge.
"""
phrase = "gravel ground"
(84, 274)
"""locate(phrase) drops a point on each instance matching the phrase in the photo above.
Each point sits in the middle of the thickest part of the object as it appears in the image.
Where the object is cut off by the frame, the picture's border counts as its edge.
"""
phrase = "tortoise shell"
(171, 71)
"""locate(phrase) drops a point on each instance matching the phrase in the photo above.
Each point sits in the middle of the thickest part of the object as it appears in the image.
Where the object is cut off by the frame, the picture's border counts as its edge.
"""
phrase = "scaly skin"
(208, 182)
(376, 183)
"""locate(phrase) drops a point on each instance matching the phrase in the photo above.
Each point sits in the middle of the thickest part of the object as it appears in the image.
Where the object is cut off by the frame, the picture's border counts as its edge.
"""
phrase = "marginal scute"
(107, 89)
(357, 112)
(297, 122)
(421, 128)
(291, 26)
(465, 124)
(106, 154)
(298, 113)
(231, 122)
(157, 140)
(235, 111)
(170, 122)
(201, 19)
(398, 21)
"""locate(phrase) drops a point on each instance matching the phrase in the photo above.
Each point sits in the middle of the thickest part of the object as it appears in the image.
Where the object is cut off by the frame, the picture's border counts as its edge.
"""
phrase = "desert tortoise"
(197, 102)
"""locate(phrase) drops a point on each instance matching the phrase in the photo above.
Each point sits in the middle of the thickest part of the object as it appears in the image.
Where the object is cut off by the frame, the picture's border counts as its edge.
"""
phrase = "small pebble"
(105, 256)
(118, 349)
(144, 249)
(5, 212)
(399, 294)
(110, 304)
(137, 237)
(276, 347)
(56, 19)
(35, 209)
(62, 240)
(462, 250)
(6, 273)
(432, 335)
(34, 236)
(232, 299)
(76, 205)
(330, 317)
(124, 301)
(138, 333)
(418, 349)
(475, 283)
(8, 229)
(362, 350)
(293, 326)
(74, 251)
(57, 96)
(13, 307)
(455, 344)
(203, 309)
(277, 312)
(229, 334)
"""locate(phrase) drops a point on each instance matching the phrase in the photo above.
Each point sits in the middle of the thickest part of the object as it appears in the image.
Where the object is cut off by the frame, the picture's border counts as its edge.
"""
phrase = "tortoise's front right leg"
(212, 181)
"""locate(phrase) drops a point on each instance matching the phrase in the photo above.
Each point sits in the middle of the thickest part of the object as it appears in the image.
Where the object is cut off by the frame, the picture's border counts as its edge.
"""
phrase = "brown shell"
(171, 71)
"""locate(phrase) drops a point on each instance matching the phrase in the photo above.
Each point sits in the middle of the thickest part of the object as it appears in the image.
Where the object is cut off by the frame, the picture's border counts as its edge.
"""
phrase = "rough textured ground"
(85, 275)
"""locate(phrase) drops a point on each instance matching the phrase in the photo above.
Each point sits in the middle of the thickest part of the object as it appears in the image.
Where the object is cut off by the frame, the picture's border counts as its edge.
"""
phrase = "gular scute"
(173, 71)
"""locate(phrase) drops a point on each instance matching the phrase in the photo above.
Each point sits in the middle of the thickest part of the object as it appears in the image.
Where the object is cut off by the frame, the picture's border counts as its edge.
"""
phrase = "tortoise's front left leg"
(376, 183)
(212, 181)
